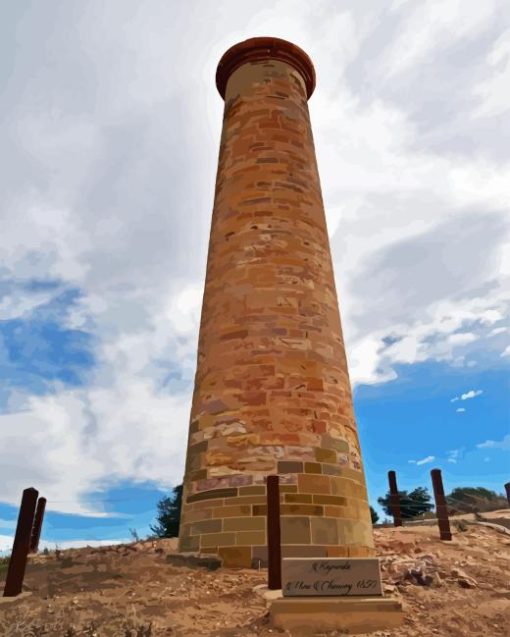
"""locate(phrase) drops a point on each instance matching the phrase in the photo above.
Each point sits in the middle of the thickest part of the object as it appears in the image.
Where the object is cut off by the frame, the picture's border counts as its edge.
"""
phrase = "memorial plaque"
(340, 577)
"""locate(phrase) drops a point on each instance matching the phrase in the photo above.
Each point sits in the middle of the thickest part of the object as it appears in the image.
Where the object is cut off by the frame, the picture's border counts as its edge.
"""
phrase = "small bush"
(460, 525)
(4, 564)
(138, 631)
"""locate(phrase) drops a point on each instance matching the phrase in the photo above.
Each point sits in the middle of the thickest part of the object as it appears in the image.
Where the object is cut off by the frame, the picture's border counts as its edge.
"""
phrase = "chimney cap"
(256, 49)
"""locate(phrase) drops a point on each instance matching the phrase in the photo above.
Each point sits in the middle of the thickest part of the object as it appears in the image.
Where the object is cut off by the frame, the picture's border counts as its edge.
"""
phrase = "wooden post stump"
(21, 544)
(441, 506)
(394, 499)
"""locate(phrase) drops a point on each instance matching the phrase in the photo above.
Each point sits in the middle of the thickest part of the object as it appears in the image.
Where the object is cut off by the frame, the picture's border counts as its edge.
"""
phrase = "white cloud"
(432, 26)
(460, 410)
(498, 330)
(506, 351)
(454, 455)
(429, 335)
(492, 92)
(425, 460)
(503, 444)
(18, 304)
(472, 393)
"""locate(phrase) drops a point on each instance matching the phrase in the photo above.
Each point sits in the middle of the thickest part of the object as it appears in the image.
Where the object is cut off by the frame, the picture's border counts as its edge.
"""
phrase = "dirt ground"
(451, 589)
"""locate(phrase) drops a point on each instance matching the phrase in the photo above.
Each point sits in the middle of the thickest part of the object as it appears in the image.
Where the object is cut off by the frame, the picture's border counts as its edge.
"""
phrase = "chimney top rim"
(265, 48)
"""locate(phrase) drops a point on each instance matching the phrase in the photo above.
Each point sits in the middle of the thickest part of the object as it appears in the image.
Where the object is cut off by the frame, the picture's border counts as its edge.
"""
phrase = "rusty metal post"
(441, 506)
(274, 549)
(507, 488)
(21, 544)
(38, 521)
(394, 499)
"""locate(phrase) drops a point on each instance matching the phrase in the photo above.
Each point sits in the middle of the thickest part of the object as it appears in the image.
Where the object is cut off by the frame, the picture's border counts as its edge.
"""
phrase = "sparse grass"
(460, 525)
(4, 564)
(67, 562)
(141, 630)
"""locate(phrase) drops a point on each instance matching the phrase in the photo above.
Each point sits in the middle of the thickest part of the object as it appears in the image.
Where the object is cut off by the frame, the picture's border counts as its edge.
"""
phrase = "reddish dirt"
(452, 589)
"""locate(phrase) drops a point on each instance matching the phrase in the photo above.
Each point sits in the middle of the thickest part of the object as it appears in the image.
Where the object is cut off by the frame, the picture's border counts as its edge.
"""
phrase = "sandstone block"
(350, 616)
(292, 498)
(259, 509)
(217, 539)
(235, 556)
(309, 483)
(313, 467)
(252, 490)
(303, 550)
(330, 499)
(240, 510)
(339, 550)
(325, 455)
(244, 524)
(301, 509)
(213, 494)
(207, 505)
(189, 543)
(250, 538)
(285, 466)
(206, 526)
(324, 530)
(295, 530)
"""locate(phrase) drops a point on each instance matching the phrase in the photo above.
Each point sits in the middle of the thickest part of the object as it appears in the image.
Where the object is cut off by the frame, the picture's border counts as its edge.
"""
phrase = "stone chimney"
(272, 392)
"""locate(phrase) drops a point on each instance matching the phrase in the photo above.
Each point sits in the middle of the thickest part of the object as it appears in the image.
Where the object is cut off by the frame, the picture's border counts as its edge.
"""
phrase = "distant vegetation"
(169, 513)
(475, 500)
(417, 504)
(411, 504)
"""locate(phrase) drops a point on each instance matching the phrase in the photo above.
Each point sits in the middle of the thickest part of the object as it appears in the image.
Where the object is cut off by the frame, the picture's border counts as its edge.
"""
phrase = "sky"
(109, 144)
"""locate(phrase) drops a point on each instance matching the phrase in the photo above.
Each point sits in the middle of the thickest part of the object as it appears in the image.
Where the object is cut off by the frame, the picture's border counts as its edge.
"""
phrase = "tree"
(411, 504)
(474, 500)
(374, 515)
(169, 514)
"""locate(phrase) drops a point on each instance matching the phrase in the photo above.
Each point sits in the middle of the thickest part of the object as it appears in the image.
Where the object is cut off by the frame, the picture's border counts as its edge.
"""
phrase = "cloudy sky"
(108, 146)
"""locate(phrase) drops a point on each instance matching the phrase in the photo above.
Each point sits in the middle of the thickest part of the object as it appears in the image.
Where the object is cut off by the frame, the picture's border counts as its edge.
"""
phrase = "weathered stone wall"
(272, 391)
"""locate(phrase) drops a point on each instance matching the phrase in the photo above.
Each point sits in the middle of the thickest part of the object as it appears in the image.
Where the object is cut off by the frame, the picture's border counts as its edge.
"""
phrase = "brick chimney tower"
(272, 392)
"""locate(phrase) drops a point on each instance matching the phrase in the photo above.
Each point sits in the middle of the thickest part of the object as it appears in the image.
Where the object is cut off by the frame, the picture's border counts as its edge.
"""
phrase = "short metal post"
(441, 506)
(21, 544)
(274, 551)
(394, 499)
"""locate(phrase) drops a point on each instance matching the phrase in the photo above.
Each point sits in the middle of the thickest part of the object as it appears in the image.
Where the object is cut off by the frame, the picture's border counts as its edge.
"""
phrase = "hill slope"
(454, 589)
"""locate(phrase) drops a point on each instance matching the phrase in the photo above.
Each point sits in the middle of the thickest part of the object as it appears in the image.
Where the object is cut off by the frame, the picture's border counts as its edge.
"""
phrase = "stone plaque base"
(306, 616)
(16, 598)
